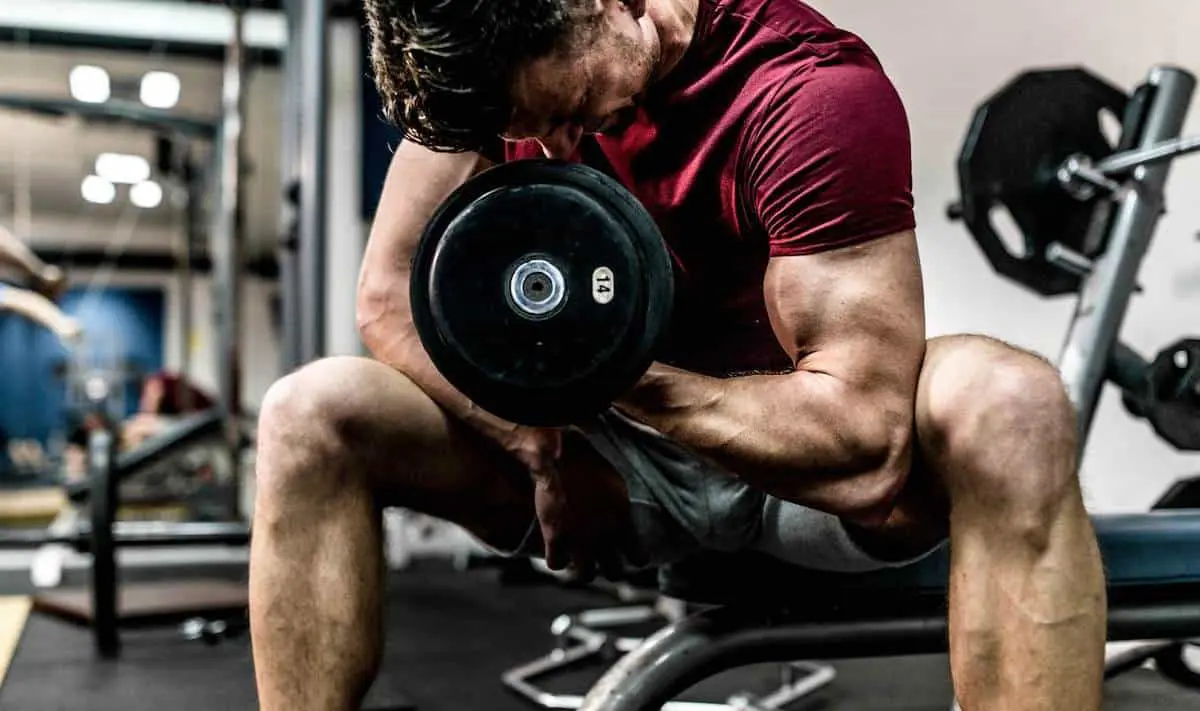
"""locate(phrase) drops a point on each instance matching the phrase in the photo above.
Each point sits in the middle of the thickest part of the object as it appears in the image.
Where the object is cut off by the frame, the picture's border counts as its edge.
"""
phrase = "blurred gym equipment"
(302, 244)
(106, 605)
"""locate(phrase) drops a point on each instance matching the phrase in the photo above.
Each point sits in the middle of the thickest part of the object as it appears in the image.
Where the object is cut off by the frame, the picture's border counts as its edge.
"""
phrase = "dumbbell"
(542, 289)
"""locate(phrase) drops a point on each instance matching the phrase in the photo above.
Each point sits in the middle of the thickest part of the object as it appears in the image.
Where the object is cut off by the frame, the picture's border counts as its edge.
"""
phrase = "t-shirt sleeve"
(828, 162)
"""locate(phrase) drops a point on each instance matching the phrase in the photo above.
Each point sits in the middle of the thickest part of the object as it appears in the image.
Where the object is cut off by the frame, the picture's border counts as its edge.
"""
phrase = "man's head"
(456, 74)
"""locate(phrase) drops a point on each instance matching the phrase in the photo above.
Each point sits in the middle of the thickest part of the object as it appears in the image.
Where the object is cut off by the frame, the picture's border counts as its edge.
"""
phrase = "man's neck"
(675, 22)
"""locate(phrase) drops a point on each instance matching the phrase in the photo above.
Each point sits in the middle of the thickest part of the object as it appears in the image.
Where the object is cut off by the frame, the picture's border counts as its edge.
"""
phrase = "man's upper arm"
(828, 177)
(855, 313)
(417, 182)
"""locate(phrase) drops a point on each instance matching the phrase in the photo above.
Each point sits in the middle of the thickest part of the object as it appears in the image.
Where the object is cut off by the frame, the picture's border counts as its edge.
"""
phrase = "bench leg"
(686, 652)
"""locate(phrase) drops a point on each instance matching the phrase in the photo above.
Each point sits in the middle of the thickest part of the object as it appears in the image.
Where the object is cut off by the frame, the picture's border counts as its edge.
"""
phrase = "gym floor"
(451, 635)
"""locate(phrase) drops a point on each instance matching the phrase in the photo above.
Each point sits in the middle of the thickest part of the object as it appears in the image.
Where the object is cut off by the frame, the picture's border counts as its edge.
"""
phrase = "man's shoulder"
(825, 152)
(786, 23)
(793, 53)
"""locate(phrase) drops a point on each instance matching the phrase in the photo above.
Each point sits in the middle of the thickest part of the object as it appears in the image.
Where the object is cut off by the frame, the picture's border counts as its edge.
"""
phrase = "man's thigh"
(418, 456)
(953, 380)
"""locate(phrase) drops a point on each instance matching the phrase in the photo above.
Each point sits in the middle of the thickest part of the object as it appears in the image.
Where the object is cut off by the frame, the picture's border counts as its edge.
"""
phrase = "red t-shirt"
(777, 134)
(173, 394)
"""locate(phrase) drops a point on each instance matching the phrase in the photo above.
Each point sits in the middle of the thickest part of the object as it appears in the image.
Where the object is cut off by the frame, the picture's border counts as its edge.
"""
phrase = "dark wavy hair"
(445, 68)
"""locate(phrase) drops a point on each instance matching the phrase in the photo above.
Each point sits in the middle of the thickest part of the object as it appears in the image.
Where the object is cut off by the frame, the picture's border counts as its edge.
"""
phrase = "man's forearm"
(391, 337)
(800, 436)
(383, 310)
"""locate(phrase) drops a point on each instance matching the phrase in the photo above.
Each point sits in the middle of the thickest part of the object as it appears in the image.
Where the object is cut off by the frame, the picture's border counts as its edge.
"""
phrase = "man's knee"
(307, 427)
(1002, 426)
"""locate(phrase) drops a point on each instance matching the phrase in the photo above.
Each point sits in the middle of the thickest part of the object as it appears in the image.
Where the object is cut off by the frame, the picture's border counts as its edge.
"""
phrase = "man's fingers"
(583, 568)
(557, 555)
(553, 543)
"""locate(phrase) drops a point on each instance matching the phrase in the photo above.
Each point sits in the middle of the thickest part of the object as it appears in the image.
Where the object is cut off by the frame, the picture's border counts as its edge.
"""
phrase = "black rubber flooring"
(451, 635)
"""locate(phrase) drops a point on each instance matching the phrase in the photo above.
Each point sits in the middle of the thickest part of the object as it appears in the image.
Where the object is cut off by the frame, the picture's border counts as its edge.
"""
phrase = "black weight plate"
(1017, 140)
(659, 273)
(543, 369)
(474, 265)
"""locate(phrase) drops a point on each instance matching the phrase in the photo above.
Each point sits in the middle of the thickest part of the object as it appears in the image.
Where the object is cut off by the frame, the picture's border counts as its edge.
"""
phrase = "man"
(798, 410)
(166, 395)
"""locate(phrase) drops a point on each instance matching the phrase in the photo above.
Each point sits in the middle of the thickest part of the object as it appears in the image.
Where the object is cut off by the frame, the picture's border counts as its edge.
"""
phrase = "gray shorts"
(682, 503)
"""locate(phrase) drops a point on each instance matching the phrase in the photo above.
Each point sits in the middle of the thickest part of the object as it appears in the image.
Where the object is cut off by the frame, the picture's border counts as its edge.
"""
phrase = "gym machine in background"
(1086, 211)
(302, 247)
(288, 250)
(223, 178)
(227, 244)
(106, 605)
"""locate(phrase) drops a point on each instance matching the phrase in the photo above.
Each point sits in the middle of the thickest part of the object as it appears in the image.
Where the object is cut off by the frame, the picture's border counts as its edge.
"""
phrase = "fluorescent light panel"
(146, 195)
(90, 84)
(97, 190)
(122, 168)
(160, 90)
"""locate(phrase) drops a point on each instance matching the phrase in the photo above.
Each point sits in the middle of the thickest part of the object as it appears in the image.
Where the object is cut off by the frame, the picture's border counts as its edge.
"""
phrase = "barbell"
(1037, 148)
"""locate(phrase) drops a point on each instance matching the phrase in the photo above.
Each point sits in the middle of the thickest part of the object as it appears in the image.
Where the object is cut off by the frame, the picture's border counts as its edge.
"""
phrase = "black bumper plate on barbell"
(542, 290)
(1018, 138)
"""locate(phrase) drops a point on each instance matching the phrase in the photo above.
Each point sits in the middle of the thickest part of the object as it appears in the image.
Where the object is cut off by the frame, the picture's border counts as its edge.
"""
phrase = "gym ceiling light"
(146, 195)
(98, 191)
(122, 168)
(160, 90)
(90, 84)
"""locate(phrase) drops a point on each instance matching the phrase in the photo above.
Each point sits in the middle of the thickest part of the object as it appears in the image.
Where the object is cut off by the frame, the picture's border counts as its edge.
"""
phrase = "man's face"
(593, 88)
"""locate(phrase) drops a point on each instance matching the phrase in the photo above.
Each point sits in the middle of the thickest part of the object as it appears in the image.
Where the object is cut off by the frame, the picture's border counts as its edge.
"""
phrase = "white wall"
(945, 56)
(259, 342)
